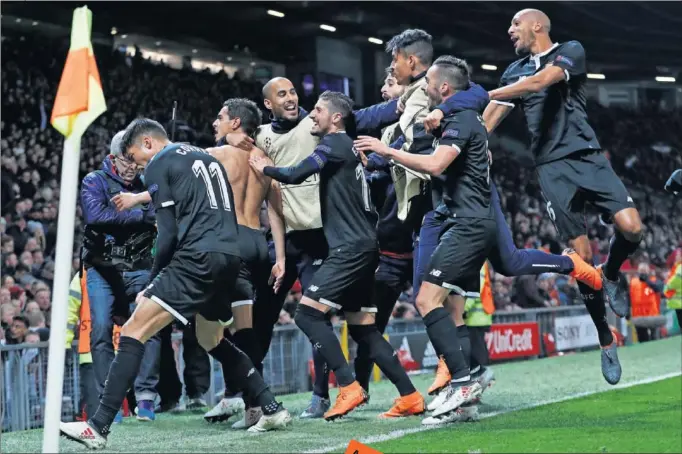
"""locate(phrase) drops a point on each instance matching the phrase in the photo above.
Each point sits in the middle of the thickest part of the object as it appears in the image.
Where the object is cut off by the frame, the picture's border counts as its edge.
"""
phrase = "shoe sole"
(436, 391)
(469, 418)
(144, 418)
(217, 419)
(79, 441)
(382, 416)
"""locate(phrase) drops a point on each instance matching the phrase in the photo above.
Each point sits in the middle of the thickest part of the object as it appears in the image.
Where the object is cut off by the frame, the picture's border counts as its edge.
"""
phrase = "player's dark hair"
(453, 70)
(413, 42)
(247, 111)
(337, 102)
(140, 127)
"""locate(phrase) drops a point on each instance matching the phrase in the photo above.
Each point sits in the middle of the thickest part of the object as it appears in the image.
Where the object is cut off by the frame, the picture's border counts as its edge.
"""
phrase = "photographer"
(117, 255)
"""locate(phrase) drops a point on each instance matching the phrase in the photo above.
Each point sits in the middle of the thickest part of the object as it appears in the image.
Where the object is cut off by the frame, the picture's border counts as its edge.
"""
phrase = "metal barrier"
(24, 367)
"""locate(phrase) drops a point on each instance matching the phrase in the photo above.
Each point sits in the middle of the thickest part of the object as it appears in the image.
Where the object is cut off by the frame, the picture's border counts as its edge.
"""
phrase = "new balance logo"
(630, 200)
(317, 346)
(435, 273)
(317, 262)
(313, 288)
(251, 372)
(87, 434)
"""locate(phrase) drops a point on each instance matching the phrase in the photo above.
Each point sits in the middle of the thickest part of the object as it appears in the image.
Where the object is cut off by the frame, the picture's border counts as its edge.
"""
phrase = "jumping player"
(194, 273)
(548, 83)
(349, 224)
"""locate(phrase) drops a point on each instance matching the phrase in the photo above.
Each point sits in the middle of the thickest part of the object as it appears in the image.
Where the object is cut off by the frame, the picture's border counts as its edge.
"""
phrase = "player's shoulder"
(515, 67)
(573, 45)
(334, 142)
(461, 117)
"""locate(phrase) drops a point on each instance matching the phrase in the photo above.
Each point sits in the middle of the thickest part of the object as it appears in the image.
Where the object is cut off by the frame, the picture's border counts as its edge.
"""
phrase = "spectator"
(36, 324)
(7, 314)
(17, 330)
(33, 338)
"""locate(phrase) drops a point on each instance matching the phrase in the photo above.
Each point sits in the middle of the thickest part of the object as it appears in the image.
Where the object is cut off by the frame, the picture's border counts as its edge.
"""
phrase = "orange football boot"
(412, 404)
(350, 397)
(442, 379)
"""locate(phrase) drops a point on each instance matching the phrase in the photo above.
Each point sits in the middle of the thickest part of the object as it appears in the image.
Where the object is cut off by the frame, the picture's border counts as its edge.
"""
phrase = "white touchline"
(403, 432)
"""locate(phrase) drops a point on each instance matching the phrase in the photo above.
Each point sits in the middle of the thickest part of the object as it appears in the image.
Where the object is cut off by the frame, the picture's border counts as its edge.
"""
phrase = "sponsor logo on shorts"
(317, 262)
(251, 372)
(630, 200)
(313, 288)
(435, 273)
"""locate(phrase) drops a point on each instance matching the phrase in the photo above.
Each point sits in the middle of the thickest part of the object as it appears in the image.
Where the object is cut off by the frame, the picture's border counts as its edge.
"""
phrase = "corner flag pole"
(78, 103)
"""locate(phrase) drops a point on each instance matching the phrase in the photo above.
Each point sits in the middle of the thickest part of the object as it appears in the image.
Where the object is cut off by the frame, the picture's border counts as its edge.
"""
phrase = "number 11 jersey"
(194, 184)
(348, 215)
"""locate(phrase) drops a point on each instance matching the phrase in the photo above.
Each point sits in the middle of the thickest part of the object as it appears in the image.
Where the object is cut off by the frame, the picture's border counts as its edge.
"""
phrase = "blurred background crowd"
(644, 147)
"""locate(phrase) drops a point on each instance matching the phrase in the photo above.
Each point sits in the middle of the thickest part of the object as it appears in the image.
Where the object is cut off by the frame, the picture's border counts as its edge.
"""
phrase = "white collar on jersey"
(536, 58)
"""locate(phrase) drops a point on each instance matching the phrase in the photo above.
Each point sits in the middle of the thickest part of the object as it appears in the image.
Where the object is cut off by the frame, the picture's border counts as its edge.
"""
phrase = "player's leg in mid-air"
(567, 185)
(342, 283)
(510, 261)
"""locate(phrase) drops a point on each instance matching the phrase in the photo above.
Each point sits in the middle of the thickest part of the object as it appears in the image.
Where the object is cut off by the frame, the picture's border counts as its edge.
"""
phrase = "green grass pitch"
(642, 418)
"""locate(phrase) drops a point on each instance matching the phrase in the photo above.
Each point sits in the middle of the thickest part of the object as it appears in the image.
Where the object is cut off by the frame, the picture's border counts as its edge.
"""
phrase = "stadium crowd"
(643, 147)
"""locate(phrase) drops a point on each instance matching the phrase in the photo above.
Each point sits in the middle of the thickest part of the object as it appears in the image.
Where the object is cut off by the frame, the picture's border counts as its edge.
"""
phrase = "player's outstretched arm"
(434, 164)
(291, 175)
(533, 84)
(377, 116)
(495, 113)
(474, 98)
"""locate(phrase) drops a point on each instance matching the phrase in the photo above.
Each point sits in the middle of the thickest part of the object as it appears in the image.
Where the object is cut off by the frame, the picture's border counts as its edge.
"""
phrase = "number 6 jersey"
(194, 186)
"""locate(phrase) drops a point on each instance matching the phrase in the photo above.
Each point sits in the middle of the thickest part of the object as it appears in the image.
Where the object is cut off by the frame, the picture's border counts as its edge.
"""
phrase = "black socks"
(122, 373)
(619, 250)
(243, 375)
(594, 302)
(312, 322)
(383, 354)
(443, 335)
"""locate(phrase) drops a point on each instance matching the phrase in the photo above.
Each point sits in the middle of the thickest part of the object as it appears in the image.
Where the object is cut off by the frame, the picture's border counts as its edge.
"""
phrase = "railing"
(23, 375)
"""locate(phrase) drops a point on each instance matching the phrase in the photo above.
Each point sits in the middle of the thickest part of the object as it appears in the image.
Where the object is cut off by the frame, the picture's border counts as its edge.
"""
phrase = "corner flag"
(78, 103)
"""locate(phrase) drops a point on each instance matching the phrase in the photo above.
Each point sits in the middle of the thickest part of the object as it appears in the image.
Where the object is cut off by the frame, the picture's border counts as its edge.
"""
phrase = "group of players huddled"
(356, 217)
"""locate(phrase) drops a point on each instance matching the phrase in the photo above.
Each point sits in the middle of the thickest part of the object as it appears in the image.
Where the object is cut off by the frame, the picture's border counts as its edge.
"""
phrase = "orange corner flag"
(80, 99)
(355, 447)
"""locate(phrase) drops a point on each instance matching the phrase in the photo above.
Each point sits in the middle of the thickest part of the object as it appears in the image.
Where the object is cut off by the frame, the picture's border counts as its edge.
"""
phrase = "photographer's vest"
(301, 202)
(124, 247)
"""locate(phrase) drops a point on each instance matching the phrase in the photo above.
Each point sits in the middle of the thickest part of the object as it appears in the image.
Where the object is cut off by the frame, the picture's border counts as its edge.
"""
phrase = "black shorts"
(569, 184)
(463, 248)
(194, 283)
(345, 280)
(255, 268)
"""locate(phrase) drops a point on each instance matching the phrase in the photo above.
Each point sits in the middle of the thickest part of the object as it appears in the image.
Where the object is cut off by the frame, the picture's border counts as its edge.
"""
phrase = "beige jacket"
(408, 183)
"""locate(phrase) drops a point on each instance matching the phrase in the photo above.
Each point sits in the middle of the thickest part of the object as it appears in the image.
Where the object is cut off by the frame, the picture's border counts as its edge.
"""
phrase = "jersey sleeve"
(157, 180)
(571, 58)
(456, 132)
